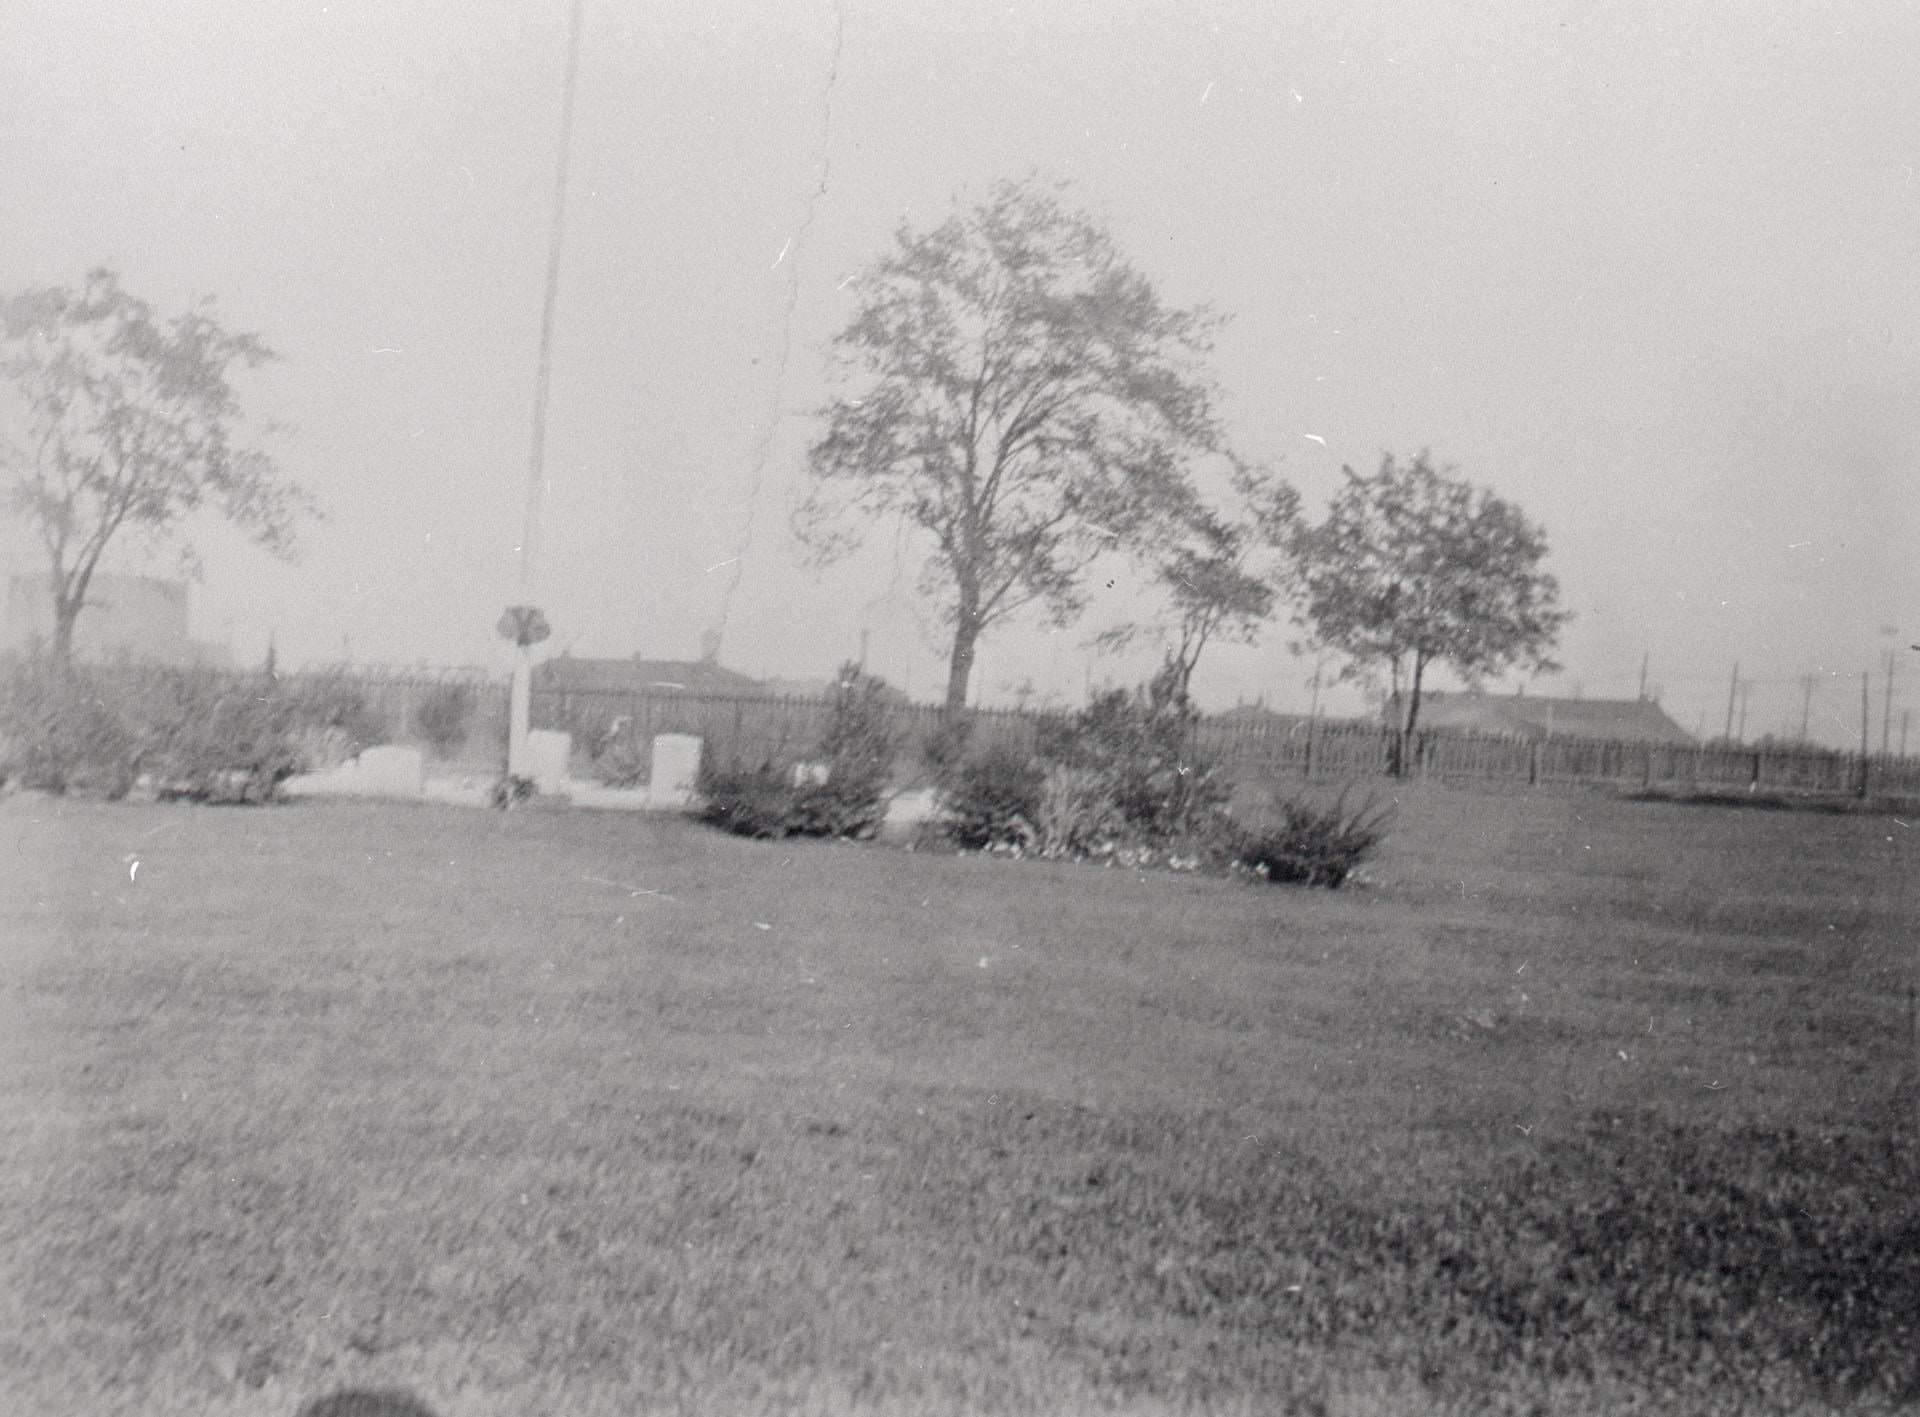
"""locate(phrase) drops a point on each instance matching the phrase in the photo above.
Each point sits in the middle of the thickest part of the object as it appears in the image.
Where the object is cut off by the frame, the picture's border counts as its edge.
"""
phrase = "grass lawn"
(1575, 1105)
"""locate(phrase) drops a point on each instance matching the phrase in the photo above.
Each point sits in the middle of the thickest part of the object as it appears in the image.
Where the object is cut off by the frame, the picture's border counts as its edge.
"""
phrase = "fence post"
(1312, 727)
(1755, 783)
(1533, 763)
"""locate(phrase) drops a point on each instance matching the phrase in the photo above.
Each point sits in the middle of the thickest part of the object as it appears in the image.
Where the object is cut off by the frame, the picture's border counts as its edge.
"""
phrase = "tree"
(1221, 573)
(128, 426)
(1414, 566)
(1020, 394)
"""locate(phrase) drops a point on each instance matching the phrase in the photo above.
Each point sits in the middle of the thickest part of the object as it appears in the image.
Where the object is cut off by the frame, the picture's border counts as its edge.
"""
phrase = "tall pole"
(1733, 692)
(1746, 692)
(1807, 683)
(536, 469)
(1643, 674)
(1886, 710)
(520, 697)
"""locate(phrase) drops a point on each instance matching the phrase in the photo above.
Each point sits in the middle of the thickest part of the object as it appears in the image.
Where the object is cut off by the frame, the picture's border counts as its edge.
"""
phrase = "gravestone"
(547, 754)
(676, 770)
(390, 771)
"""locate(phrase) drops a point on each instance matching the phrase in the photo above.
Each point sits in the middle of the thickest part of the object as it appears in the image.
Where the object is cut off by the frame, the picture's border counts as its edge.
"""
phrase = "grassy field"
(1574, 1105)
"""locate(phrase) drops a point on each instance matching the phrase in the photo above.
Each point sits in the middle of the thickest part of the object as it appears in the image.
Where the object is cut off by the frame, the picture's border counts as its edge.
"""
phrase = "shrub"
(748, 800)
(1079, 812)
(1312, 845)
(333, 703)
(945, 750)
(210, 737)
(60, 730)
(1141, 743)
(625, 762)
(443, 717)
(993, 800)
(849, 800)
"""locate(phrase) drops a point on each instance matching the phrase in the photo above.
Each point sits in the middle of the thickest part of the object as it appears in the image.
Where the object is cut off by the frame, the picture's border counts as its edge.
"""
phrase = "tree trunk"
(966, 634)
(66, 613)
(1405, 728)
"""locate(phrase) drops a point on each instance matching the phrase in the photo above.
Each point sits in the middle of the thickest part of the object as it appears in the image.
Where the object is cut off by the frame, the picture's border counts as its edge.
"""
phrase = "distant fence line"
(753, 727)
(758, 726)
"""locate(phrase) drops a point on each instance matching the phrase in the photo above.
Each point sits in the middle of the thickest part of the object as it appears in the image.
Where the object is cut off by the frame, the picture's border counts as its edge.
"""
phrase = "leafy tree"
(125, 423)
(1221, 573)
(1414, 566)
(1021, 395)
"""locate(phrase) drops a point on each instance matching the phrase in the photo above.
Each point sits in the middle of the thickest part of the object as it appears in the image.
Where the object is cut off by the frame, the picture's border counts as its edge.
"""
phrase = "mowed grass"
(1574, 1105)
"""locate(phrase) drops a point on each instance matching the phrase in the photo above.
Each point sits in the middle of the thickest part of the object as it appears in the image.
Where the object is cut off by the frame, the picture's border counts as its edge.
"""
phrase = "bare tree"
(1414, 566)
(1019, 393)
(128, 427)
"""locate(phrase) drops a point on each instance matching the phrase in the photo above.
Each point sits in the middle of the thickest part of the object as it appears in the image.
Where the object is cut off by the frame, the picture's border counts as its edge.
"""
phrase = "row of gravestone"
(393, 770)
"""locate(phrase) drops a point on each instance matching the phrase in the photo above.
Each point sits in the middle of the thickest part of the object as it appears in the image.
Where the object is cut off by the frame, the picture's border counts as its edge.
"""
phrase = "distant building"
(140, 618)
(1531, 716)
(637, 675)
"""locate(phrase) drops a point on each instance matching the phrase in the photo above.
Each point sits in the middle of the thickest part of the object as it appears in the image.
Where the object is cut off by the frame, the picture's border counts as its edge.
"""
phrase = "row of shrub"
(192, 733)
(1121, 780)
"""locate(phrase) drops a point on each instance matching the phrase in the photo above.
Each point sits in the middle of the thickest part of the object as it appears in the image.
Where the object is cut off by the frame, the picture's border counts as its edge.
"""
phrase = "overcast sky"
(1650, 270)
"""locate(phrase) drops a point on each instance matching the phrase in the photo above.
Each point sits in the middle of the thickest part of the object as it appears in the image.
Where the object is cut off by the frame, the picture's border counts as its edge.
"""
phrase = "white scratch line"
(1796, 545)
(1208, 92)
(847, 282)
(133, 872)
(383, 349)
(782, 256)
(718, 564)
(629, 889)
(1314, 438)
(1296, 96)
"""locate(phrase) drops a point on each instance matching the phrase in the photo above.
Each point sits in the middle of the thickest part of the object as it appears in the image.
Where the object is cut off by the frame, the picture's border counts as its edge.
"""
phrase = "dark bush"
(993, 800)
(443, 717)
(754, 800)
(1141, 744)
(857, 749)
(1307, 844)
(848, 796)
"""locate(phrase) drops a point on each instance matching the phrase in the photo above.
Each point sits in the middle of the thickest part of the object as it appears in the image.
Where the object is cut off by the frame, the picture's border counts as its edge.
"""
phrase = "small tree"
(1221, 571)
(126, 422)
(1414, 566)
(1022, 396)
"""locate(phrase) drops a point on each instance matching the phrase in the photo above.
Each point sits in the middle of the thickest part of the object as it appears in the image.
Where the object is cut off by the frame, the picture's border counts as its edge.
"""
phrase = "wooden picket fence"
(752, 728)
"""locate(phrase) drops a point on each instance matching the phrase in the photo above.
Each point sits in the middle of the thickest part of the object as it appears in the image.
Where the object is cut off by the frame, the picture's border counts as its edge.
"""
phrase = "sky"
(1650, 271)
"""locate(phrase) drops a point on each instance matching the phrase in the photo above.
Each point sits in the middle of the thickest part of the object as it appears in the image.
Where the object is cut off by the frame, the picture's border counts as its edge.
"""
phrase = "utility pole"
(1886, 710)
(1644, 657)
(1733, 691)
(1904, 713)
(1808, 682)
(1746, 692)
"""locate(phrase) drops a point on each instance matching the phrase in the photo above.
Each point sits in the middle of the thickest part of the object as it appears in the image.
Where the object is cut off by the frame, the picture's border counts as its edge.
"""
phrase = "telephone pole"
(1746, 692)
(1733, 692)
(1886, 710)
(1808, 683)
(1644, 657)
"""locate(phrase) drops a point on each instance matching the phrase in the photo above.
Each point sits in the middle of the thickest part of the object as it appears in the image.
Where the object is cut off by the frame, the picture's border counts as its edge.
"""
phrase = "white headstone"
(676, 770)
(547, 754)
(390, 771)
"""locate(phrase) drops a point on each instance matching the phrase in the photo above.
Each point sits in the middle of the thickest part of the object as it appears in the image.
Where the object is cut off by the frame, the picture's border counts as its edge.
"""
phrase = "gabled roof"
(1532, 716)
(637, 675)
